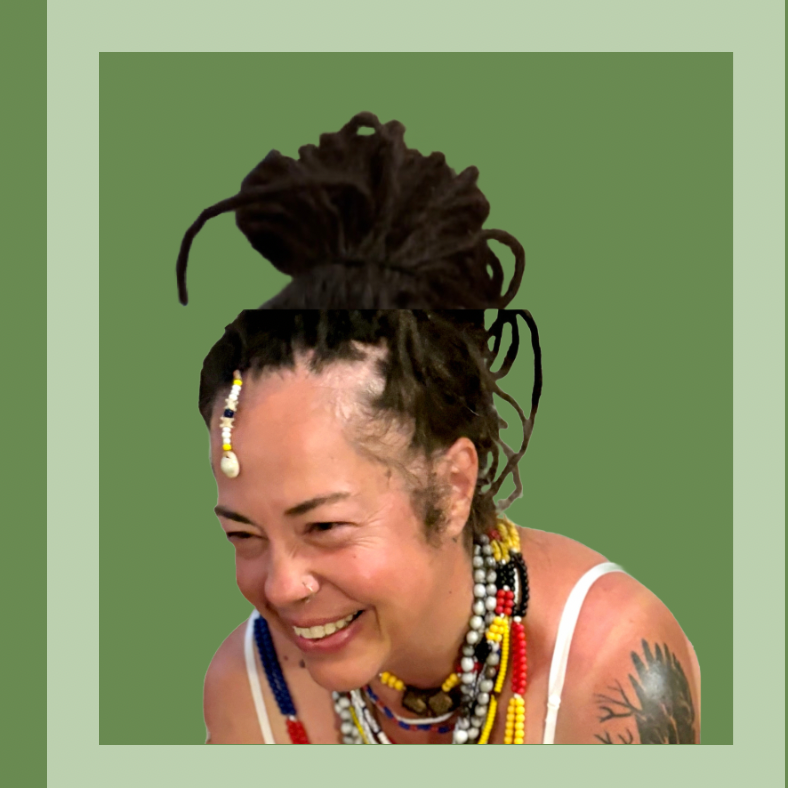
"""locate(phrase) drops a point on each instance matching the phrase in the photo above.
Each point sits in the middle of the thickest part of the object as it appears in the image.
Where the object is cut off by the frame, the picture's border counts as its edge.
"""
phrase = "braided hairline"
(412, 361)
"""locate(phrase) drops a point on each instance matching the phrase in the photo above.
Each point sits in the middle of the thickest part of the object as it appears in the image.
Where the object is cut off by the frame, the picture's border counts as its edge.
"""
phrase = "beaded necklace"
(495, 638)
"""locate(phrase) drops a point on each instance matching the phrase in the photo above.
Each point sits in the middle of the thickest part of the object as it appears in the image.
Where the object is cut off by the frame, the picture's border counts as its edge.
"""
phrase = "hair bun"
(358, 201)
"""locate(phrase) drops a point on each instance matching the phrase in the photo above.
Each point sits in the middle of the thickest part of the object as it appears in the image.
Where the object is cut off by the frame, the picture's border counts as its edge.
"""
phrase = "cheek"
(251, 580)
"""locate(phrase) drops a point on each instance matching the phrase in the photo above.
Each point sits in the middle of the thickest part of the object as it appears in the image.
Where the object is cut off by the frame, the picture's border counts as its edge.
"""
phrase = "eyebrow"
(293, 511)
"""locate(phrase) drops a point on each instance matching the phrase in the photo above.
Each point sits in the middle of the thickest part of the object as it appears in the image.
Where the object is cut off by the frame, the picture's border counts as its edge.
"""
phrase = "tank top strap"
(563, 641)
(254, 681)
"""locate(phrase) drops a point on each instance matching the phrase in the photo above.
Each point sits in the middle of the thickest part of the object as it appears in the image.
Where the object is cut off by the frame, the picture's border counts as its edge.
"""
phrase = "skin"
(296, 436)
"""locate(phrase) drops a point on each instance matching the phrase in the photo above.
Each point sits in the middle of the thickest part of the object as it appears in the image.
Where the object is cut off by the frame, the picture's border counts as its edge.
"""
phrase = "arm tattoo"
(662, 708)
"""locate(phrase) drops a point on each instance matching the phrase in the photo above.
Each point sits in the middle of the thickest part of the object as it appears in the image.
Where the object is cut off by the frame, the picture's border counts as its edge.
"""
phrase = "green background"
(615, 173)
(66, 652)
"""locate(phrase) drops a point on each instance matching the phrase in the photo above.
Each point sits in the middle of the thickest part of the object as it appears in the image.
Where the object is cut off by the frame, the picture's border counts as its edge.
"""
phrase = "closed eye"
(239, 535)
(323, 527)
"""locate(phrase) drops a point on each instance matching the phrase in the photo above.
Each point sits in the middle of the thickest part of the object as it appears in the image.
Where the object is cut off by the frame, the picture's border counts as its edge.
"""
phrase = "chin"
(341, 676)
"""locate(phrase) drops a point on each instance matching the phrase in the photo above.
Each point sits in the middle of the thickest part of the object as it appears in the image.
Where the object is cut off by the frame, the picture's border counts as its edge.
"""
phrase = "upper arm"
(633, 676)
(230, 716)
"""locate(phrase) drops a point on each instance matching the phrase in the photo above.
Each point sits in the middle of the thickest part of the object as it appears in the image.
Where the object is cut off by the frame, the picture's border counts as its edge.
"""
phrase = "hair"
(383, 245)
(363, 222)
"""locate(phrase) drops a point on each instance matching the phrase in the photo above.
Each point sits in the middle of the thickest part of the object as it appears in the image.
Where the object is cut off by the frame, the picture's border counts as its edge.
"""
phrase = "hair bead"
(229, 463)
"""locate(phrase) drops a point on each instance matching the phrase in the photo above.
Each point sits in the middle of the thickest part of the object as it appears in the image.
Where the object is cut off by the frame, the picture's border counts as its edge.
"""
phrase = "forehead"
(291, 432)
(339, 387)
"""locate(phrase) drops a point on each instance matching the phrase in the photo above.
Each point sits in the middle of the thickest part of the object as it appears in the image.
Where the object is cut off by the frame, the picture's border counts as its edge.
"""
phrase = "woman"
(356, 455)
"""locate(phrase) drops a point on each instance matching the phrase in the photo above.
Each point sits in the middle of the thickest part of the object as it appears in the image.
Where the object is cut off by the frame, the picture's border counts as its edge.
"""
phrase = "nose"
(284, 580)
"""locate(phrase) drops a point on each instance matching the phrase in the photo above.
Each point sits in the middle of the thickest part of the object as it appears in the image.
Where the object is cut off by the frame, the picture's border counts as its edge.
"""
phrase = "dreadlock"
(363, 222)
(383, 245)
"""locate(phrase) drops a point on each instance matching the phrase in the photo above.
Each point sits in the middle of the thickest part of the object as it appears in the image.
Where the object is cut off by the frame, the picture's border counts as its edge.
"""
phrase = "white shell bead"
(477, 622)
(491, 603)
(229, 465)
(460, 736)
(492, 589)
(473, 637)
(483, 698)
(485, 685)
(479, 590)
(479, 607)
(473, 733)
(467, 663)
(478, 562)
(468, 678)
(480, 576)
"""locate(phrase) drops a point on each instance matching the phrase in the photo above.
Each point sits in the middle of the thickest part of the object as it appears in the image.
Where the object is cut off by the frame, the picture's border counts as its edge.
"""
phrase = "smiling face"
(310, 510)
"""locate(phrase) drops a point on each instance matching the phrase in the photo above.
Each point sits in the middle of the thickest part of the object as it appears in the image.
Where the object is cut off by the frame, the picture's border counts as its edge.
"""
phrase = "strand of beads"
(276, 681)
(347, 724)
(390, 680)
(368, 724)
(481, 660)
(515, 712)
(410, 723)
(229, 463)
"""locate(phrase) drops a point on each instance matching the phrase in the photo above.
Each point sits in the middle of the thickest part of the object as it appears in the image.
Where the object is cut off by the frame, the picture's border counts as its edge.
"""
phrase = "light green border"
(78, 30)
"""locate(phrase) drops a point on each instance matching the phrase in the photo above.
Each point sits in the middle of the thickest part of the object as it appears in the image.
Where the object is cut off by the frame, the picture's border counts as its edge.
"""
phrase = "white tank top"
(563, 640)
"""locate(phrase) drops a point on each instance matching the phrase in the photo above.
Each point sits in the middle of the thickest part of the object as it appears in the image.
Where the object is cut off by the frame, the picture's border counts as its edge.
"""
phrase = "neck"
(433, 652)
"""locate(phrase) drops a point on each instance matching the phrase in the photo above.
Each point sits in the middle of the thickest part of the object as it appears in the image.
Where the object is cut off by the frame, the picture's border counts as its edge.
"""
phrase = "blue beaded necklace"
(402, 724)
(276, 681)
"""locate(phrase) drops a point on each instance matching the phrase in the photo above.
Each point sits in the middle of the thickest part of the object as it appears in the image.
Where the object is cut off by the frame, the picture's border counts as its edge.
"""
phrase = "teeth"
(315, 633)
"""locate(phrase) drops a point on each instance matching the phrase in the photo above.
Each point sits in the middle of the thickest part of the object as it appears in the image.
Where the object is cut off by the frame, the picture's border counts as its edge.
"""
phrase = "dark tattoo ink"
(628, 739)
(662, 709)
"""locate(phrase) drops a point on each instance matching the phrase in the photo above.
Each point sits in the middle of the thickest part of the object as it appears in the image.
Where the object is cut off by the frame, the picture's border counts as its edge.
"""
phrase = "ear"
(459, 469)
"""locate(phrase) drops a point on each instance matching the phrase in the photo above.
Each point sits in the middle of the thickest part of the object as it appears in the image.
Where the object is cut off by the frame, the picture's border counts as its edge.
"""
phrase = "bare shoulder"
(230, 716)
(632, 675)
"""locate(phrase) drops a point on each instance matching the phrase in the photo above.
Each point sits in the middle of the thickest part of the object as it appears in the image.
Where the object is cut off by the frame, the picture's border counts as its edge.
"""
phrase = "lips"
(326, 645)
(318, 631)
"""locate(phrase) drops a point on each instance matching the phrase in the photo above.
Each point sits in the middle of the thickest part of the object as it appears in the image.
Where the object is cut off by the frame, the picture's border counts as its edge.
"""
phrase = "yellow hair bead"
(237, 382)
(226, 447)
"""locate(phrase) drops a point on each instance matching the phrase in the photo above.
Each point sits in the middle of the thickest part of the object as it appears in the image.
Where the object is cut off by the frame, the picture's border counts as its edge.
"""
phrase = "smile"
(324, 630)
